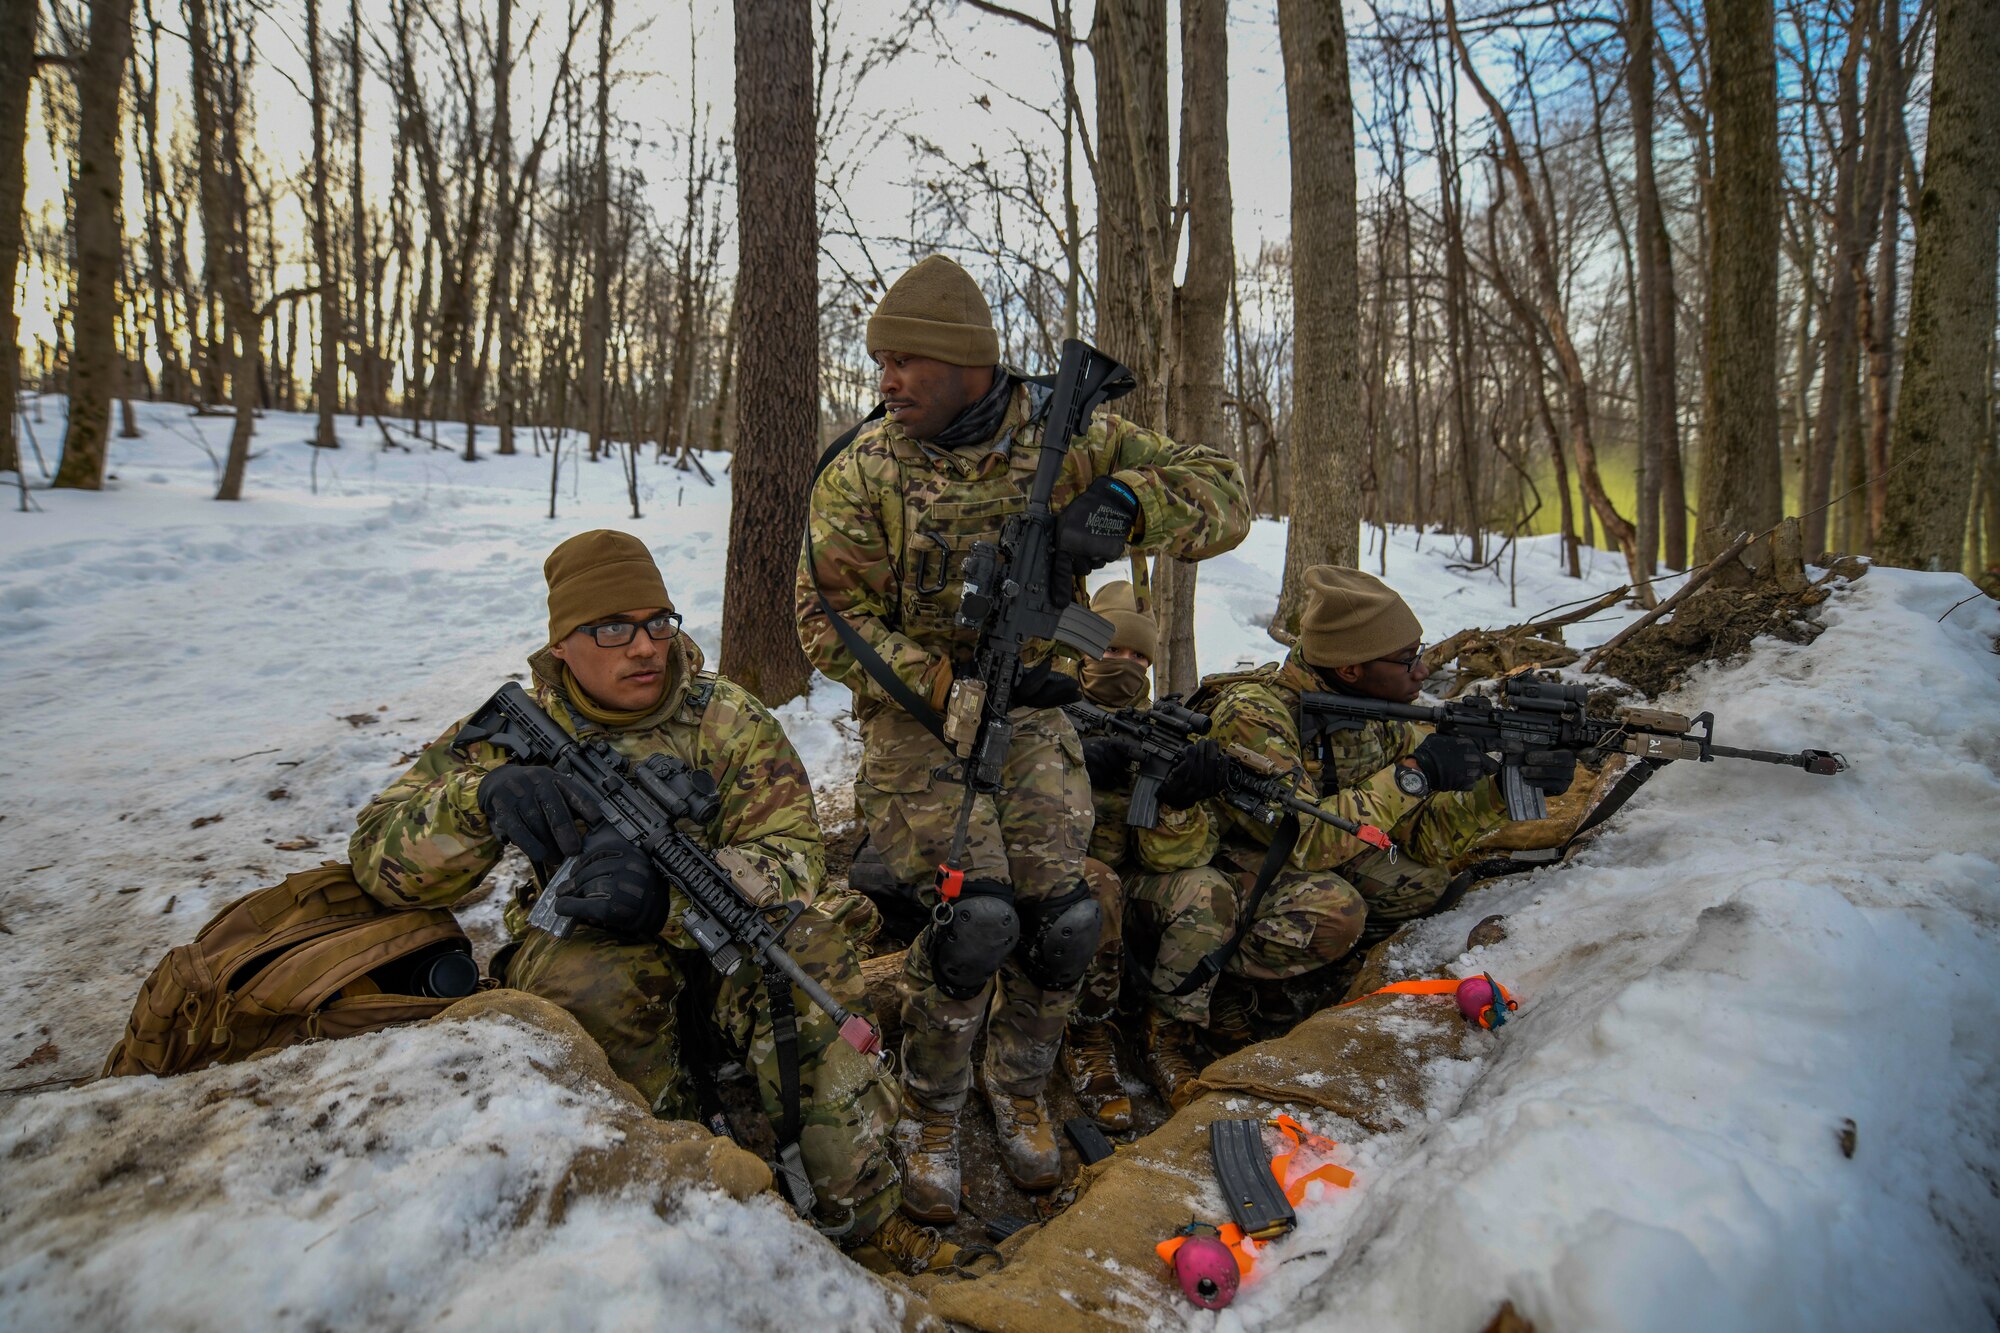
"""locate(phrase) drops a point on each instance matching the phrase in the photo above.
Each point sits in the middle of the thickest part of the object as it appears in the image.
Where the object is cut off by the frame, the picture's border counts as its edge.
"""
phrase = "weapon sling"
(1275, 856)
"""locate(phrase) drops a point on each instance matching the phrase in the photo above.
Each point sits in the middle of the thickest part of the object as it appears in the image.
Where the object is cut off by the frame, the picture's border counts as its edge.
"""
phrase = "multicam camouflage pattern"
(1333, 883)
(424, 842)
(625, 994)
(1306, 920)
(1182, 838)
(1099, 996)
(1031, 834)
(1351, 772)
(892, 519)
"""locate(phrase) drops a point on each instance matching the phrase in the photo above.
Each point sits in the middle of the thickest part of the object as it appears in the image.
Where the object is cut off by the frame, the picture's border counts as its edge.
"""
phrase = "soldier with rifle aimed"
(1152, 771)
(940, 580)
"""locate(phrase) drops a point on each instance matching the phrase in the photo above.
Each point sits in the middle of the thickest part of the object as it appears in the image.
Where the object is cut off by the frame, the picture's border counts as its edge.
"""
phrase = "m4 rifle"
(1537, 713)
(1253, 783)
(1014, 593)
(645, 802)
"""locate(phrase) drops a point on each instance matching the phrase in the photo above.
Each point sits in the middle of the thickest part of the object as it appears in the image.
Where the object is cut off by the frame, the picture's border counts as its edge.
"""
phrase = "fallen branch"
(1700, 577)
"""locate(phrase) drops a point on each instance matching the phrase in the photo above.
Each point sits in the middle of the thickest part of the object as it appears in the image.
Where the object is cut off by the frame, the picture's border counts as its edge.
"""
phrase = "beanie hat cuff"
(955, 344)
(598, 574)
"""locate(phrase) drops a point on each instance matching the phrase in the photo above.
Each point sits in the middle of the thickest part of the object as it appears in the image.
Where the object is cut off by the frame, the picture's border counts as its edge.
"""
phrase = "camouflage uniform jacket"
(424, 842)
(892, 519)
(1351, 773)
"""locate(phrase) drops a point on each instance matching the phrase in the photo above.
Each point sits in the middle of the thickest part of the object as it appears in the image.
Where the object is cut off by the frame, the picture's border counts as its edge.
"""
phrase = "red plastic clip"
(1375, 838)
(950, 883)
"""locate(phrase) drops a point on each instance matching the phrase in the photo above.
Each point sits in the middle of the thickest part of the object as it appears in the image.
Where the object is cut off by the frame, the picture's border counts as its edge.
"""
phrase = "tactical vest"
(1349, 751)
(947, 505)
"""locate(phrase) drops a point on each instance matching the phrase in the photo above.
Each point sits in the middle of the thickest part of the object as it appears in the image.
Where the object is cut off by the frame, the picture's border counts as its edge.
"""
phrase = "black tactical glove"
(615, 888)
(1452, 763)
(1094, 528)
(1195, 776)
(1108, 759)
(535, 809)
(1044, 687)
(1550, 770)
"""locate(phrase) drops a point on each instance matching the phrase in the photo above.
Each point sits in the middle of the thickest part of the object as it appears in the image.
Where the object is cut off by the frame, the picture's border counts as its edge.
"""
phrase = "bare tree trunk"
(1848, 252)
(326, 390)
(1741, 489)
(1658, 427)
(1326, 389)
(778, 279)
(364, 356)
(223, 226)
(1942, 416)
(1201, 305)
(1128, 49)
(94, 370)
(596, 320)
(17, 77)
(1881, 331)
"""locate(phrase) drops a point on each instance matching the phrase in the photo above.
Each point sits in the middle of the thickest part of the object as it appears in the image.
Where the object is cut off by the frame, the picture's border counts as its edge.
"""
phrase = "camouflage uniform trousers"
(625, 993)
(1107, 967)
(1397, 889)
(1306, 920)
(1031, 834)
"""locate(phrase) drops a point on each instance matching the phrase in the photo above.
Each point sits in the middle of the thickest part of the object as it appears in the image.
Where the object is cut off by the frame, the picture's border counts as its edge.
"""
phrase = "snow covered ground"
(1747, 959)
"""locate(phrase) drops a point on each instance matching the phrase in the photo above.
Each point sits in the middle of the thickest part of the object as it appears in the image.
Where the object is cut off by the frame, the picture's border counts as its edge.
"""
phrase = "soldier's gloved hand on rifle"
(1550, 770)
(1108, 760)
(1195, 776)
(615, 888)
(1452, 763)
(534, 808)
(1044, 687)
(1094, 528)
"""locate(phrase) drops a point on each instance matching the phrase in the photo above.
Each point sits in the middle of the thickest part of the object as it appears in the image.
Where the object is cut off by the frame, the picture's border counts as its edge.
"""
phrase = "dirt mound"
(1764, 591)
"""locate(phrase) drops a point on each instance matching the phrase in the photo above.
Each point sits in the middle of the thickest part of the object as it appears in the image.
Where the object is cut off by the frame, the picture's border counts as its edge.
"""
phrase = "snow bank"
(401, 1180)
(1746, 961)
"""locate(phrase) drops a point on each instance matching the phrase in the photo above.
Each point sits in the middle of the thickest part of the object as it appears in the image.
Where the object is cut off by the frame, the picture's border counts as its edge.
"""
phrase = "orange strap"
(1295, 1193)
(1441, 986)
(1241, 1247)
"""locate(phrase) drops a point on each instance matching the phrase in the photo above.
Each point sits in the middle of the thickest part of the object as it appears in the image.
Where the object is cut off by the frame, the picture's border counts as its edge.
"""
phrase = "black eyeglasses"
(1404, 663)
(618, 633)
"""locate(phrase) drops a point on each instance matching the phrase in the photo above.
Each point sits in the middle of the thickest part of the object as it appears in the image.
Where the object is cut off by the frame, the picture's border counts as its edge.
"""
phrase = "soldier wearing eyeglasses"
(616, 664)
(1357, 636)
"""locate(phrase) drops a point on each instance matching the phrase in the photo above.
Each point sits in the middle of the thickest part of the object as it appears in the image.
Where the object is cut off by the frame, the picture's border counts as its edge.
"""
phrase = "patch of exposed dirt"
(1722, 619)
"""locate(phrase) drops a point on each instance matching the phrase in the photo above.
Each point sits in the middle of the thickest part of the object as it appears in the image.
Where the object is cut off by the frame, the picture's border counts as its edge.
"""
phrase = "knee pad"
(1060, 937)
(967, 950)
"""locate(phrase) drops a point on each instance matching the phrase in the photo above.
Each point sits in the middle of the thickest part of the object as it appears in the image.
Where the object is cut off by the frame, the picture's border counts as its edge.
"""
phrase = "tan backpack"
(283, 965)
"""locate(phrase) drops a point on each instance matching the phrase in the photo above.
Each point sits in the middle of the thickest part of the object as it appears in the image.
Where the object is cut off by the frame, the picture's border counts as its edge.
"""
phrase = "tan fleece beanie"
(1352, 617)
(598, 574)
(1131, 627)
(935, 310)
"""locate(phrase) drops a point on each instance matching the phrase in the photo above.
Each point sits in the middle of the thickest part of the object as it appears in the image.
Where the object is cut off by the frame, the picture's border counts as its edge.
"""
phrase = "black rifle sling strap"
(857, 647)
(1282, 842)
(785, 1037)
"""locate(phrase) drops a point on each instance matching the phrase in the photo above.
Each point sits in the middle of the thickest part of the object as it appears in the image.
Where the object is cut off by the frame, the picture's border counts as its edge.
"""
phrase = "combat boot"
(926, 1149)
(1230, 1015)
(1173, 1058)
(901, 1246)
(1027, 1139)
(1090, 1058)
